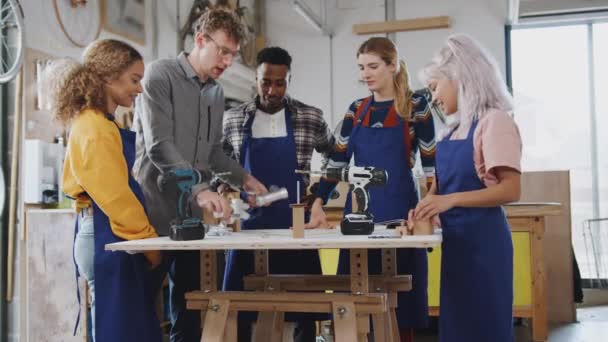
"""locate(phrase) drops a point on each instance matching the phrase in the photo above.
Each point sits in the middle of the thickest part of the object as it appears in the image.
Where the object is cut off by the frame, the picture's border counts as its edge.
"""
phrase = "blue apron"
(476, 295)
(272, 161)
(386, 148)
(124, 304)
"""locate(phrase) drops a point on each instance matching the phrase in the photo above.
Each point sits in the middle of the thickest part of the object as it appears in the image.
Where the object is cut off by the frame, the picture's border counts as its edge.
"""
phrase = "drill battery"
(188, 229)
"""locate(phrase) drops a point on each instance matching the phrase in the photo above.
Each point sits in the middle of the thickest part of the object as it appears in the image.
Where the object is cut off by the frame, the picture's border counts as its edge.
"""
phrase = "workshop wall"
(333, 87)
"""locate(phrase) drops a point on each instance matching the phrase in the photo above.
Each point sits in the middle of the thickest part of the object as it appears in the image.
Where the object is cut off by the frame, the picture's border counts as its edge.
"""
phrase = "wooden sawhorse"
(351, 311)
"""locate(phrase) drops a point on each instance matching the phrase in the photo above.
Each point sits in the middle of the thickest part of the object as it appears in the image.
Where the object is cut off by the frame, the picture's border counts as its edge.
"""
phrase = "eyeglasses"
(223, 51)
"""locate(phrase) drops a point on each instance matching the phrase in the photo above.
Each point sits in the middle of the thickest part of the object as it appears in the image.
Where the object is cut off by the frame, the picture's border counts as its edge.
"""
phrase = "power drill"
(360, 179)
(179, 183)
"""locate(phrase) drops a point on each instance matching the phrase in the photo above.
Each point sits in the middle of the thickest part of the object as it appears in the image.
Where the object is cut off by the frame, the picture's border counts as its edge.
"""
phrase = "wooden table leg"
(215, 320)
(230, 332)
(389, 268)
(208, 276)
(359, 284)
(394, 326)
(359, 274)
(362, 327)
(345, 321)
(263, 326)
(261, 262)
(381, 327)
(270, 326)
(539, 297)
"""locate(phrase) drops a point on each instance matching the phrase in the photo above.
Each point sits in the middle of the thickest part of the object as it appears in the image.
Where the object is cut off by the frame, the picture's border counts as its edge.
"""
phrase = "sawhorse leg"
(215, 321)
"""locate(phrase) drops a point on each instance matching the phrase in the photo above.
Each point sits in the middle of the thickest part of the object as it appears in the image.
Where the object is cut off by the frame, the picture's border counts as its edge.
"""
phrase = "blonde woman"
(97, 175)
(478, 170)
(386, 130)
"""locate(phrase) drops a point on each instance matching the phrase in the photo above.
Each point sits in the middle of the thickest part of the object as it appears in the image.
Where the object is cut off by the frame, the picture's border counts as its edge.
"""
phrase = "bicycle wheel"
(11, 39)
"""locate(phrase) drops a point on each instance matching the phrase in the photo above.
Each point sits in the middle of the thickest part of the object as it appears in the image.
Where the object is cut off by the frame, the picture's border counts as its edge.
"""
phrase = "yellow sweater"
(95, 167)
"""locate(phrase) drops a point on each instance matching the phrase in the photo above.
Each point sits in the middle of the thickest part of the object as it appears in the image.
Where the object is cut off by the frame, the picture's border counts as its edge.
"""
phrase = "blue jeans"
(84, 254)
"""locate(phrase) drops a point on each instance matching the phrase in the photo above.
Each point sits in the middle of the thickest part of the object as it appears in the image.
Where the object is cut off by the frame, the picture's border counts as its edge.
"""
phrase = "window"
(563, 118)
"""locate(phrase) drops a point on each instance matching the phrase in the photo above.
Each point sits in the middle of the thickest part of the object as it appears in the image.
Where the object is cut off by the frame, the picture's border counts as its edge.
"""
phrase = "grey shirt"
(178, 121)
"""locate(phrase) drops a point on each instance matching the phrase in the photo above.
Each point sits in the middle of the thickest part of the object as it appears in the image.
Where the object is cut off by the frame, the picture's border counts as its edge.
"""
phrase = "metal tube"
(270, 197)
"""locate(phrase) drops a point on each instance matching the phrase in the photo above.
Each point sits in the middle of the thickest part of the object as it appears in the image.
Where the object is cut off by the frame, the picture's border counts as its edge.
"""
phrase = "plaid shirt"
(310, 131)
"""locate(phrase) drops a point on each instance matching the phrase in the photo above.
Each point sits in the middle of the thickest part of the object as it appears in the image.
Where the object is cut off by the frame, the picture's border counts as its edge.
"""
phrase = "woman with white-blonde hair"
(478, 170)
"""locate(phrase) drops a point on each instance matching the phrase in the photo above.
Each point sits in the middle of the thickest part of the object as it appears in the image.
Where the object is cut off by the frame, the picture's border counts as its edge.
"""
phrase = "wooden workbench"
(365, 295)
(527, 221)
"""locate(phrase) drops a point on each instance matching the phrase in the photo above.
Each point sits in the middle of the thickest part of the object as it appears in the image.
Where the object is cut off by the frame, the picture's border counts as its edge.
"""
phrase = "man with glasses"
(179, 125)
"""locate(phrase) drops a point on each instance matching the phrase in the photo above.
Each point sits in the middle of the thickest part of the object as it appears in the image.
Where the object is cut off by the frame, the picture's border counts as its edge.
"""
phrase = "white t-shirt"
(269, 125)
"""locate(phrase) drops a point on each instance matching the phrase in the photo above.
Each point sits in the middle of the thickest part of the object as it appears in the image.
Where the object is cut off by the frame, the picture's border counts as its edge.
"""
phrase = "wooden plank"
(277, 327)
(208, 275)
(402, 25)
(394, 326)
(529, 209)
(362, 327)
(522, 311)
(208, 270)
(215, 320)
(539, 297)
(389, 262)
(288, 297)
(312, 283)
(263, 327)
(381, 325)
(297, 221)
(282, 239)
(261, 262)
(554, 186)
(521, 224)
(310, 307)
(345, 321)
(288, 302)
(359, 278)
(230, 332)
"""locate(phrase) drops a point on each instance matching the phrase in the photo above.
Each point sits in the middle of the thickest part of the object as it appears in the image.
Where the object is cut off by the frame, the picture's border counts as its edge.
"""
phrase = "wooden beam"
(402, 25)
(377, 283)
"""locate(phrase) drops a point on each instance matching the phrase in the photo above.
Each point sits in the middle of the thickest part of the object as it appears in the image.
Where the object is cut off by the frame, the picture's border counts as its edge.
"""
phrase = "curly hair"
(274, 55)
(80, 88)
(74, 87)
(223, 19)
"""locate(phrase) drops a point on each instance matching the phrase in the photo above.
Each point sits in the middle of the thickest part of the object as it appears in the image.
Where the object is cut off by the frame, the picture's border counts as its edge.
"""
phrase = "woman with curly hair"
(109, 202)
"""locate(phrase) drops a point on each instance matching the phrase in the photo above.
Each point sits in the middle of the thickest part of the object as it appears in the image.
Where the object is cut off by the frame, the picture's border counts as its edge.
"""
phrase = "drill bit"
(308, 172)
(221, 174)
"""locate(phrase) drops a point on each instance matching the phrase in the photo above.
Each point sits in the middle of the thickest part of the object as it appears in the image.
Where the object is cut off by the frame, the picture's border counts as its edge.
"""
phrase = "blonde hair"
(75, 86)
(387, 51)
(481, 86)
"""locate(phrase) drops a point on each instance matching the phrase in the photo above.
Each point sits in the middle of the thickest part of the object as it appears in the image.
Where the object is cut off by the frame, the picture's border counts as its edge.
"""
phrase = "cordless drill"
(179, 183)
(360, 179)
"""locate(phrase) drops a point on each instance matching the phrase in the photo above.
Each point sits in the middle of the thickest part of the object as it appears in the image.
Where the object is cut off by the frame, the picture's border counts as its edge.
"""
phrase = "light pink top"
(496, 142)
